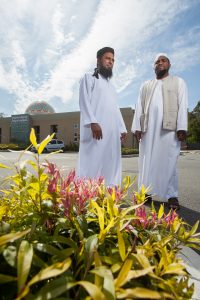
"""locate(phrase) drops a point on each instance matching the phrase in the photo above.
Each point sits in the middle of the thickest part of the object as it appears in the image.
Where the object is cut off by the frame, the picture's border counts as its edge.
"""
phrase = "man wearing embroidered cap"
(101, 125)
(160, 124)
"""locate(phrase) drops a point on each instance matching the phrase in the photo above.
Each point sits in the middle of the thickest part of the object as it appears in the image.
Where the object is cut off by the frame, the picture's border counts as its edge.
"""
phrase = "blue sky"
(48, 45)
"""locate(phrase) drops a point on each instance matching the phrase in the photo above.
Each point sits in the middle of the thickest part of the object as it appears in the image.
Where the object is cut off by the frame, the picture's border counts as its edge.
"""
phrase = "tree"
(194, 125)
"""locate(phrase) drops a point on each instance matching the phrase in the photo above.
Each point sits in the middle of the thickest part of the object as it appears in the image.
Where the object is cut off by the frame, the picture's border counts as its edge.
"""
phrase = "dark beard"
(160, 74)
(107, 73)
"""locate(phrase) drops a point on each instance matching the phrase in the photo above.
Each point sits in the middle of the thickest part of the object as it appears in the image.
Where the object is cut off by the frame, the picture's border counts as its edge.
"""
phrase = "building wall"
(128, 113)
(5, 130)
(65, 125)
(68, 126)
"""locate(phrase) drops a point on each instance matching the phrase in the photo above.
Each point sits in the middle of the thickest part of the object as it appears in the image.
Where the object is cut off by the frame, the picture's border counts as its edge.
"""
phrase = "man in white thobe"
(101, 127)
(160, 124)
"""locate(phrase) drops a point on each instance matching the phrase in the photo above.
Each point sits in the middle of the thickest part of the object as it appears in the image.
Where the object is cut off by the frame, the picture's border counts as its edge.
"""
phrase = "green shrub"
(128, 151)
(74, 147)
(9, 146)
(72, 238)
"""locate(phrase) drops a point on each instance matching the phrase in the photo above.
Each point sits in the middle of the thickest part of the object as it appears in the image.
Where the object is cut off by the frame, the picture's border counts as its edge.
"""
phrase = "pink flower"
(143, 220)
(170, 217)
(76, 192)
(54, 176)
(118, 192)
(52, 185)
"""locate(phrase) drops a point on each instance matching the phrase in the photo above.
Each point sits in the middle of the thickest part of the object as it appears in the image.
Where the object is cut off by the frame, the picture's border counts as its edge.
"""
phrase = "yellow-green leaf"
(98, 280)
(6, 278)
(142, 293)
(5, 167)
(109, 226)
(54, 288)
(33, 138)
(194, 228)
(121, 244)
(100, 214)
(92, 290)
(161, 211)
(51, 271)
(11, 237)
(174, 268)
(108, 282)
(143, 260)
(44, 143)
(193, 246)
(123, 273)
(24, 260)
(138, 273)
(91, 244)
(3, 210)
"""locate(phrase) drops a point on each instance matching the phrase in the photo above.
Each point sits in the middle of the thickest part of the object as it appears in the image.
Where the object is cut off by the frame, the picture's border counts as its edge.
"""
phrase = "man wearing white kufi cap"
(160, 124)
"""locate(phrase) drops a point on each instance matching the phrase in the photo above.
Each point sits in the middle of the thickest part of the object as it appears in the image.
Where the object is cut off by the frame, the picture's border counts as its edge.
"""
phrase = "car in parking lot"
(53, 145)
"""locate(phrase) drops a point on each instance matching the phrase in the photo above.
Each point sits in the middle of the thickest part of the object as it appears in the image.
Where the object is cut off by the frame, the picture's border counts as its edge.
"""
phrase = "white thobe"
(159, 149)
(97, 100)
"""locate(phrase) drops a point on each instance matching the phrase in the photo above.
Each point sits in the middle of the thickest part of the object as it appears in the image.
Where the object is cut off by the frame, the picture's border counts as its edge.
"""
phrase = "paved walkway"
(192, 261)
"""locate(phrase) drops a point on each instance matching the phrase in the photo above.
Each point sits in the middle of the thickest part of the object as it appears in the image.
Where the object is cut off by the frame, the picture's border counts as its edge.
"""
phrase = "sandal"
(173, 203)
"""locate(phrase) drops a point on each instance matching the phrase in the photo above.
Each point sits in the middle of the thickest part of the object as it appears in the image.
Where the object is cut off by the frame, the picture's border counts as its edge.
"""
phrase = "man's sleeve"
(138, 110)
(182, 120)
(85, 95)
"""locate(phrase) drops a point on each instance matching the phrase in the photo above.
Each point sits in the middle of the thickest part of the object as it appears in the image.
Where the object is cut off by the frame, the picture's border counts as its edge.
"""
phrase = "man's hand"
(181, 135)
(138, 135)
(123, 137)
(96, 131)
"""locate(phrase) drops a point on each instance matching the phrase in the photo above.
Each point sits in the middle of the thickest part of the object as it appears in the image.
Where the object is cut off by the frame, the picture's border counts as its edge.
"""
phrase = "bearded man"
(101, 125)
(160, 124)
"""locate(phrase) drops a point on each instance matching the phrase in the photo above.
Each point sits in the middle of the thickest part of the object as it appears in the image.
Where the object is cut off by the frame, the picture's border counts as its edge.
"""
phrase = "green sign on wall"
(20, 128)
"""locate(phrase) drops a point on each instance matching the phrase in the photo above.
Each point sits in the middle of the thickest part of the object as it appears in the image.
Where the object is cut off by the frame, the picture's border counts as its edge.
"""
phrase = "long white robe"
(97, 100)
(159, 149)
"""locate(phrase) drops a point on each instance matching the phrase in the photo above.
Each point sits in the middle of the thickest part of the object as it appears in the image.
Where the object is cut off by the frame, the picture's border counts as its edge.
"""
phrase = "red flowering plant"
(64, 237)
(76, 192)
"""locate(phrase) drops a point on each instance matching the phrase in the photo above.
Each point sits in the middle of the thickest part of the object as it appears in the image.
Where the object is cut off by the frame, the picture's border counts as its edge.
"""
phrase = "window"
(52, 142)
(76, 137)
(59, 142)
(37, 133)
(54, 129)
(76, 126)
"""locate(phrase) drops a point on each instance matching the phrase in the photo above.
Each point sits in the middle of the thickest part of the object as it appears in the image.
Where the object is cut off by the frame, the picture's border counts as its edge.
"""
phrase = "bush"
(70, 238)
(72, 147)
(4, 147)
(128, 151)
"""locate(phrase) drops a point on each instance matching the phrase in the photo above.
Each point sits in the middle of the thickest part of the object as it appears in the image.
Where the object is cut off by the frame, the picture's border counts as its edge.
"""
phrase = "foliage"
(9, 146)
(72, 147)
(128, 151)
(194, 125)
(72, 238)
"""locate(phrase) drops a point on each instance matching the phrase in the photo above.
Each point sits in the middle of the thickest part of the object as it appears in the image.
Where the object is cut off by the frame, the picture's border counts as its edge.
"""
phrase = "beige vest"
(170, 102)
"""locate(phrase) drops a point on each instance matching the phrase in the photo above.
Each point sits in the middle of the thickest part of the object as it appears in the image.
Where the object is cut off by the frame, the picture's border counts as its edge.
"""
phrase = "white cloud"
(186, 49)
(121, 35)
(57, 27)
(18, 57)
(48, 45)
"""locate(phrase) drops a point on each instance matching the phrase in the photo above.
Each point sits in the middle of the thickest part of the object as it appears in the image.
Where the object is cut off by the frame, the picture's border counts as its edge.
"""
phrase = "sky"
(48, 45)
